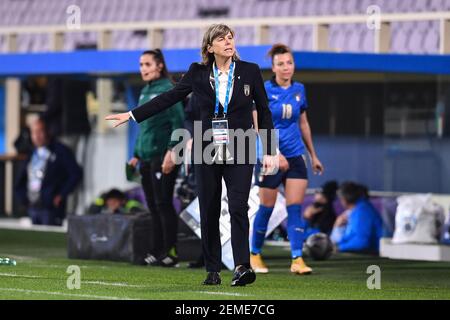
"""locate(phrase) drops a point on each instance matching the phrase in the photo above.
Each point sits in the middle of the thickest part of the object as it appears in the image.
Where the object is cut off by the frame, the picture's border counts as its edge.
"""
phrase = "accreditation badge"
(220, 131)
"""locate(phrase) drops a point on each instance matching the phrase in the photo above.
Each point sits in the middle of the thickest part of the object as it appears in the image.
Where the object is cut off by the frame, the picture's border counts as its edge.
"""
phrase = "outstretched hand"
(119, 117)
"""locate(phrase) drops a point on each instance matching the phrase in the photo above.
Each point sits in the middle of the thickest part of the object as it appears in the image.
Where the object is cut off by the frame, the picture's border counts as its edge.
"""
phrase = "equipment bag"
(110, 237)
(418, 219)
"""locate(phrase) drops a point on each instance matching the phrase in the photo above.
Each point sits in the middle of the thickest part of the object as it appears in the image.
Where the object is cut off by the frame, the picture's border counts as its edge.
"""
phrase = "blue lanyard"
(227, 94)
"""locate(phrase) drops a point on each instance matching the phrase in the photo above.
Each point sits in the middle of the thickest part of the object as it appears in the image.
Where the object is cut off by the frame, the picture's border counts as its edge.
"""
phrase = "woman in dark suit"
(224, 87)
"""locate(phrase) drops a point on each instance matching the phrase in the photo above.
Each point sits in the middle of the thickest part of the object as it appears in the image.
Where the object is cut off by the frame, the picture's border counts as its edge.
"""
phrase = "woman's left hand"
(270, 164)
(119, 117)
(317, 166)
(168, 164)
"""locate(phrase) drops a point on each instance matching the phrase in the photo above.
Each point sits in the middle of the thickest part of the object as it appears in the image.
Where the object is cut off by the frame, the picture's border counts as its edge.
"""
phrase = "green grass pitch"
(42, 264)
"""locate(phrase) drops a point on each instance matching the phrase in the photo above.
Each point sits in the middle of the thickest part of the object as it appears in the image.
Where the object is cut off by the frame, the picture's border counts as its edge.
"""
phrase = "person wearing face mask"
(287, 101)
(224, 88)
(153, 153)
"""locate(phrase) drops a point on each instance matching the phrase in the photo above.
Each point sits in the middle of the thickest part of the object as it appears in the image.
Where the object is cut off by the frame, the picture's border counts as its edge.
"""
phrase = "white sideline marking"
(56, 293)
(21, 258)
(64, 266)
(102, 283)
(56, 266)
(19, 275)
(115, 284)
(223, 293)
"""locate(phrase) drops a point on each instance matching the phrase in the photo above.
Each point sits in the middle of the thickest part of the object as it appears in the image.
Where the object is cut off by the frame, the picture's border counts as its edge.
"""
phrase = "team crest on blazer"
(247, 89)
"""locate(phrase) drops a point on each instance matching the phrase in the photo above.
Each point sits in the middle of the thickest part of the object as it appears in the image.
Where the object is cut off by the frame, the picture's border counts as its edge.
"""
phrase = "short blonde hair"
(214, 31)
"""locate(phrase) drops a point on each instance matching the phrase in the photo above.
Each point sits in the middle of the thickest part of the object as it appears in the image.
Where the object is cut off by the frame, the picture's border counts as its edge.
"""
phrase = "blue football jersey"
(286, 106)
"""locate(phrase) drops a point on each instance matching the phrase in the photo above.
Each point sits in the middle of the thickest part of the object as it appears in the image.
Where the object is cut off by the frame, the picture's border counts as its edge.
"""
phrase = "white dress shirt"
(223, 82)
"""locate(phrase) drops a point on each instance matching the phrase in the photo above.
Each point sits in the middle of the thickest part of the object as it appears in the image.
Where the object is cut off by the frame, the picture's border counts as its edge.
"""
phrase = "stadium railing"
(379, 23)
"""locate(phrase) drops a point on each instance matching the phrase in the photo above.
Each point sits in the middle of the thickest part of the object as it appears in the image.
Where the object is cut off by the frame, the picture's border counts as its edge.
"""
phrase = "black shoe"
(168, 261)
(151, 260)
(243, 276)
(164, 261)
(213, 278)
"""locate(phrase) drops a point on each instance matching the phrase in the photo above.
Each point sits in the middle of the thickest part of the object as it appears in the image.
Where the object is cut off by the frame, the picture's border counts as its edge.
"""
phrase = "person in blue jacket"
(47, 177)
(359, 228)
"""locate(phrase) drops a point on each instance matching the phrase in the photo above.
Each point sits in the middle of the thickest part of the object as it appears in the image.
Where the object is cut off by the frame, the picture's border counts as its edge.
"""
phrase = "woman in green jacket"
(153, 153)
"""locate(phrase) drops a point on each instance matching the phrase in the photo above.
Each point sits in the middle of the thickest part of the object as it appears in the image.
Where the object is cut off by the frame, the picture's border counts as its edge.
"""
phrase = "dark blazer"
(248, 89)
(62, 175)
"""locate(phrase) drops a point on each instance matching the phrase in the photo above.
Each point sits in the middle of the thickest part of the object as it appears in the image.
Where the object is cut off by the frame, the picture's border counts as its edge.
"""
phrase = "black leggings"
(158, 189)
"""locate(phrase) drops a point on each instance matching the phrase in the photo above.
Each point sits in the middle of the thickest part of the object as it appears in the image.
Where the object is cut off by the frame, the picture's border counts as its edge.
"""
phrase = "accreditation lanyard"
(227, 92)
(220, 126)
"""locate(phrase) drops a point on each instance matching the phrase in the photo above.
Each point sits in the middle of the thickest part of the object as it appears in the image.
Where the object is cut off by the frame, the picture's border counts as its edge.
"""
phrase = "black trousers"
(158, 189)
(238, 179)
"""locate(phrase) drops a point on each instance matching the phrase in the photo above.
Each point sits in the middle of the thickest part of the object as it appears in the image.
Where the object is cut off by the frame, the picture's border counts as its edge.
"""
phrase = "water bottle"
(7, 262)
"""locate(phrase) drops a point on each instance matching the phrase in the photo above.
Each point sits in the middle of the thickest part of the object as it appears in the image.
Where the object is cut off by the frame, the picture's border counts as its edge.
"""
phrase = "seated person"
(115, 202)
(359, 227)
(321, 214)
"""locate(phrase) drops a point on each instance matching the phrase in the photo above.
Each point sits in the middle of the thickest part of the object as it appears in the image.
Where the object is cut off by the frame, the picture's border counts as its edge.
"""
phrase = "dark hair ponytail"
(159, 59)
(278, 48)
